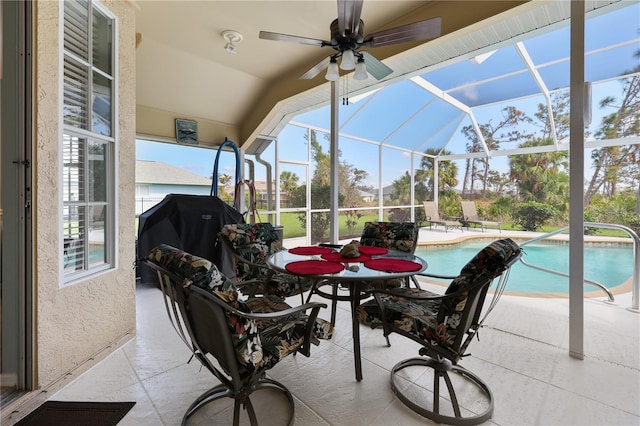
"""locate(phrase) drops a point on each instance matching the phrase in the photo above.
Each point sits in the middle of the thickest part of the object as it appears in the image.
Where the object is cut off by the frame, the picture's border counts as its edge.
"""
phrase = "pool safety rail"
(635, 282)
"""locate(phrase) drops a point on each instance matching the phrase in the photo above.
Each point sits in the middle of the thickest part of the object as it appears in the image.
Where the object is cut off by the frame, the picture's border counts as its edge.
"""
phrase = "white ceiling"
(182, 65)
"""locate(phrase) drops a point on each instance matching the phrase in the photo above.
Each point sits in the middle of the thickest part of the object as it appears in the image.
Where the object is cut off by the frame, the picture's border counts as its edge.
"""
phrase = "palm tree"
(540, 177)
(288, 183)
(447, 171)
(223, 181)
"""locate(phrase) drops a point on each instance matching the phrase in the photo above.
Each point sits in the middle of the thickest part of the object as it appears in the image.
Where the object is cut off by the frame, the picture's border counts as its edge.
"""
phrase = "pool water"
(610, 265)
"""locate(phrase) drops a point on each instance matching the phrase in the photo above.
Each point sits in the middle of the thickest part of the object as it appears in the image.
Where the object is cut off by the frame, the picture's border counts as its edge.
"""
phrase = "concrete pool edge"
(520, 236)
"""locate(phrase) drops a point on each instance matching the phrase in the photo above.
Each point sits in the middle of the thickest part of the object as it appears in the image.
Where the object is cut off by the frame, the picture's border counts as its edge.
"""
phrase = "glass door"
(15, 201)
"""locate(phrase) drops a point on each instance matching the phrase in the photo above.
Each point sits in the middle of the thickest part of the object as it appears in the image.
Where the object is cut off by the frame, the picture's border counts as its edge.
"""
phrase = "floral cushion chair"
(398, 236)
(250, 246)
(262, 331)
(444, 324)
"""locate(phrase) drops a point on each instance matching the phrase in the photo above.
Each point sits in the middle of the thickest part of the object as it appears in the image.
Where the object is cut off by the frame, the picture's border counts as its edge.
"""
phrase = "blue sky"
(200, 162)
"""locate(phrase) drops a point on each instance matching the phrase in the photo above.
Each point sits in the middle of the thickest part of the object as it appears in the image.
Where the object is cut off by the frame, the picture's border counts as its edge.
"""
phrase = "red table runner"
(337, 257)
(372, 251)
(313, 267)
(310, 250)
(392, 265)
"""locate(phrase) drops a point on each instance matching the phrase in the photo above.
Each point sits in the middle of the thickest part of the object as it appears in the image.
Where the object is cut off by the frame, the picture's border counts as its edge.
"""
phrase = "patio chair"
(399, 236)
(251, 245)
(236, 340)
(445, 324)
(433, 217)
(470, 217)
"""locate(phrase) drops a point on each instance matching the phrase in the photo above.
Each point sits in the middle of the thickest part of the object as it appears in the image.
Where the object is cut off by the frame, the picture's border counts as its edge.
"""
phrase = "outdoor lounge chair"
(444, 325)
(245, 337)
(433, 217)
(470, 217)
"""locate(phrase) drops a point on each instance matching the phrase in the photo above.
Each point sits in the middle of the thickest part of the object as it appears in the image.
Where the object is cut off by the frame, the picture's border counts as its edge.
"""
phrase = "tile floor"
(522, 355)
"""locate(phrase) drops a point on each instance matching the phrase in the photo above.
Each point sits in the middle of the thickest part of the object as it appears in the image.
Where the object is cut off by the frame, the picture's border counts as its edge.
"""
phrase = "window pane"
(397, 214)
(352, 222)
(295, 226)
(396, 177)
(320, 227)
(97, 218)
(73, 169)
(76, 77)
(74, 232)
(293, 186)
(76, 25)
(293, 144)
(358, 180)
(97, 171)
(102, 42)
(101, 116)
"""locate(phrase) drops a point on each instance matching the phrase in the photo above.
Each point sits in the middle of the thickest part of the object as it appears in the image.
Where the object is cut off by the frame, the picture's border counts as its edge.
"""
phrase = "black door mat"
(70, 413)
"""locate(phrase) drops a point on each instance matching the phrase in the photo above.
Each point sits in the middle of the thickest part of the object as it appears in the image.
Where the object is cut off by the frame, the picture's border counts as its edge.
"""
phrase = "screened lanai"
(460, 104)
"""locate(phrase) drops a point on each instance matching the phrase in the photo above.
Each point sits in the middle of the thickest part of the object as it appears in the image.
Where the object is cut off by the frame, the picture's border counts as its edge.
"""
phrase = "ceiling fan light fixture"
(361, 70)
(332, 70)
(348, 60)
(231, 37)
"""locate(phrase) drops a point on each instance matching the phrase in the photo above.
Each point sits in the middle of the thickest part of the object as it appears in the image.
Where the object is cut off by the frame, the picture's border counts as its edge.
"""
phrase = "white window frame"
(87, 270)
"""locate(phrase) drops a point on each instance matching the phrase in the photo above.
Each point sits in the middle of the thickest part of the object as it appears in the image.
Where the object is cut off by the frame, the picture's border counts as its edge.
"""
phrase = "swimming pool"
(608, 264)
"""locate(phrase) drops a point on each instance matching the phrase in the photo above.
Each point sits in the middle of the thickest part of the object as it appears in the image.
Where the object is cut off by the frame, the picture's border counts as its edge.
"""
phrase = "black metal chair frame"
(251, 286)
(444, 361)
(199, 319)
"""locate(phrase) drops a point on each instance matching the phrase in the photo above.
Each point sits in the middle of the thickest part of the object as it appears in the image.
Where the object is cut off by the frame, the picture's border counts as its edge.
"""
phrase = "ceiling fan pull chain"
(345, 91)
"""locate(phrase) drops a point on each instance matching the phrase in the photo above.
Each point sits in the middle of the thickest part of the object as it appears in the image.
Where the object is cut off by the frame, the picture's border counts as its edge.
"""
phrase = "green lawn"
(294, 228)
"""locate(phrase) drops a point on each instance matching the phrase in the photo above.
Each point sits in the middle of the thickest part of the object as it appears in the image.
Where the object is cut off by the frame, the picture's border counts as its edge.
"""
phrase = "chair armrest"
(314, 306)
(262, 316)
(402, 294)
(444, 277)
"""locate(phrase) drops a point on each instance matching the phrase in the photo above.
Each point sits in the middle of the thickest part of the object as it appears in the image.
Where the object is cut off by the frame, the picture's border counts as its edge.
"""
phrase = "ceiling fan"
(347, 37)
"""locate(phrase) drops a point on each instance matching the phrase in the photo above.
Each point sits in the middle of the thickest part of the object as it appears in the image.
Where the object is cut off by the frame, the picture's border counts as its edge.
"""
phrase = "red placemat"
(310, 250)
(337, 257)
(372, 251)
(392, 265)
(313, 267)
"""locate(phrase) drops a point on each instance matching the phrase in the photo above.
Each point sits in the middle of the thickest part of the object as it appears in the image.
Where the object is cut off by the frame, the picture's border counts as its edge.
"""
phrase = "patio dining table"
(326, 264)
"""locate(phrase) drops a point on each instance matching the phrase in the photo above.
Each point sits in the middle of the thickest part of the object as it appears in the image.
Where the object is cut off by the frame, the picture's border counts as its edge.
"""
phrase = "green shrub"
(532, 215)
(634, 224)
(498, 210)
(589, 217)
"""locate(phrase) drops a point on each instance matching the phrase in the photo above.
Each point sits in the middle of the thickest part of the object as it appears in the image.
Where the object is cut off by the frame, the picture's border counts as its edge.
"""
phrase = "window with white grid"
(88, 141)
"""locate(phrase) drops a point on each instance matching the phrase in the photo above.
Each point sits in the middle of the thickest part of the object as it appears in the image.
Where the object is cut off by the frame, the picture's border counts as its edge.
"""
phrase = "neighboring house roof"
(157, 172)
(365, 193)
(387, 191)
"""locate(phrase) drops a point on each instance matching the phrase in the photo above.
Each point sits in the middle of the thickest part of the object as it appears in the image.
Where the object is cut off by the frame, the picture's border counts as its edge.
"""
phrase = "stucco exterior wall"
(77, 321)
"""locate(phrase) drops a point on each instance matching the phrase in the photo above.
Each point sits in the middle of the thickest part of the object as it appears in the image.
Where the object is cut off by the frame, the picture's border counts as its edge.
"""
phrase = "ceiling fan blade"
(266, 35)
(421, 30)
(317, 69)
(374, 67)
(349, 12)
